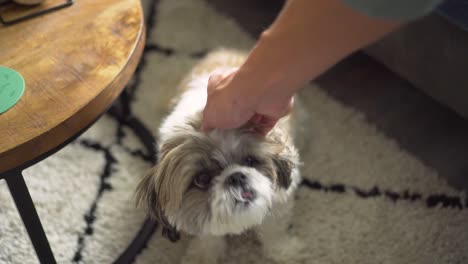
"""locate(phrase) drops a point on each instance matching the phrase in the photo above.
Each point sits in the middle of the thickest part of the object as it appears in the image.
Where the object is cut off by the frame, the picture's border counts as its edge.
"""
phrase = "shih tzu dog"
(223, 182)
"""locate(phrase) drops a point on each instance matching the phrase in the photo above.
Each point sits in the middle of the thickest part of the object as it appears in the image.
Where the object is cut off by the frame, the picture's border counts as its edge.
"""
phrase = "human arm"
(305, 40)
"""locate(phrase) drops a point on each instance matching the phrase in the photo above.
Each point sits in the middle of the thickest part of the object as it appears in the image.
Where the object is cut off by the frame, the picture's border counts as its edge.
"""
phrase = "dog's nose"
(237, 179)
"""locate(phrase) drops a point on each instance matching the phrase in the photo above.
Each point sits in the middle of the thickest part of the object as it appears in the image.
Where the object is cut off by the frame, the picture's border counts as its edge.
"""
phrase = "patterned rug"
(363, 200)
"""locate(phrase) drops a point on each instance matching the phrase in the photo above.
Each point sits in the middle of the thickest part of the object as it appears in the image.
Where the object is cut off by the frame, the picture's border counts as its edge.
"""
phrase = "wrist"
(266, 73)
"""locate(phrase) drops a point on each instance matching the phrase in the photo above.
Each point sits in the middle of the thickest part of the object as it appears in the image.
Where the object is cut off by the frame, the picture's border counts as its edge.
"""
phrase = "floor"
(420, 125)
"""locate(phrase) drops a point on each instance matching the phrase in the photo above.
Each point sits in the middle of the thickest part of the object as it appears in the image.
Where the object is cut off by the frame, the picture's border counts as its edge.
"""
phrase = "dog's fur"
(223, 182)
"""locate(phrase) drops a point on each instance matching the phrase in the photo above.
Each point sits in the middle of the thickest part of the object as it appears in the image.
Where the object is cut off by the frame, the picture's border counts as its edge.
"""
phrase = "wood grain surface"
(75, 63)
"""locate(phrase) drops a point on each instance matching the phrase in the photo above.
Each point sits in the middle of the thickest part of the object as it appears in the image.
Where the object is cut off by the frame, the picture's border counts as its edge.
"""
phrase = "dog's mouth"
(245, 196)
(248, 194)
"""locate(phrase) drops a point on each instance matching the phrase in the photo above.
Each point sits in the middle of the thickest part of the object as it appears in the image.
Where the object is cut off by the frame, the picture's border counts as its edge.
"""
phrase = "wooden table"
(75, 62)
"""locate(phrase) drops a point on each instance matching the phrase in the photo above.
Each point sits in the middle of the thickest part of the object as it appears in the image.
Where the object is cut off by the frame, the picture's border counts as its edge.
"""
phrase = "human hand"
(232, 103)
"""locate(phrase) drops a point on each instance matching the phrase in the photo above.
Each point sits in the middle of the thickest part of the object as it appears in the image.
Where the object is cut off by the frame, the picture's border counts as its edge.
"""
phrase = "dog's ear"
(284, 166)
(147, 197)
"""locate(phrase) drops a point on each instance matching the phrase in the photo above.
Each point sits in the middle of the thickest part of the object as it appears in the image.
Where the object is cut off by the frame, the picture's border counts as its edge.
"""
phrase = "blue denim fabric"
(456, 11)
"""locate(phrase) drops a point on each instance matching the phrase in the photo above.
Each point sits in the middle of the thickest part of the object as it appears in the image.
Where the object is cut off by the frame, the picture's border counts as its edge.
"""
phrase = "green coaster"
(11, 88)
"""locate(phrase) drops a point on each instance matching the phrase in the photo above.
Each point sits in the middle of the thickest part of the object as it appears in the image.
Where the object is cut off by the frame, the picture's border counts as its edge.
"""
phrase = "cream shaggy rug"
(364, 199)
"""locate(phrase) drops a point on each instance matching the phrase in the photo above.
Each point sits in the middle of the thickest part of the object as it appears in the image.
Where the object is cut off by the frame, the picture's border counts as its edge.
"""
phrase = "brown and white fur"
(224, 182)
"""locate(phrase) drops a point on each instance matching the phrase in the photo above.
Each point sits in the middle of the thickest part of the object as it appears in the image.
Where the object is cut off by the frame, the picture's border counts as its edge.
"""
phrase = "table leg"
(138, 244)
(125, 103)
(24, 204)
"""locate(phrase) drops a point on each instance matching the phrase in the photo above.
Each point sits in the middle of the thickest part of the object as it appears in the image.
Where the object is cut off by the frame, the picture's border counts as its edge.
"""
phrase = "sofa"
(432, 54)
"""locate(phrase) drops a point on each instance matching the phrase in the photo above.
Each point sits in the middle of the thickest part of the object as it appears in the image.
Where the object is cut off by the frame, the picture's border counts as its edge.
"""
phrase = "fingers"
(208, 116)
(218, 109)
(290, 106)
(214, 81)
(205, 128)
(267, 125)
(226, 107)
(261, 124)
(283, 109)
(218, 77)
(207, 121)
(256, 119)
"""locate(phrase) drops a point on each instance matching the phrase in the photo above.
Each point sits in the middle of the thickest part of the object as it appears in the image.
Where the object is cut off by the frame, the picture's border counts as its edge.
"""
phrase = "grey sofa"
(432, 54)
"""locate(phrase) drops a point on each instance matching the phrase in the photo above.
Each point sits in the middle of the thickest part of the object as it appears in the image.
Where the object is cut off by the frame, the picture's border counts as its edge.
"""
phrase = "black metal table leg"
(24, 204)
(139, 242)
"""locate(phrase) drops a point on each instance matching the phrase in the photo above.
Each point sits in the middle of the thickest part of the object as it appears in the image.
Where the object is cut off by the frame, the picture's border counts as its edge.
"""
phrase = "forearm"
(308, 37)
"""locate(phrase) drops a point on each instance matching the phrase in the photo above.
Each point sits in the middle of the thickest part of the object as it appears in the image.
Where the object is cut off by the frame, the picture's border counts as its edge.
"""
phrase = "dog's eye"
(202, 180)
(251, 161)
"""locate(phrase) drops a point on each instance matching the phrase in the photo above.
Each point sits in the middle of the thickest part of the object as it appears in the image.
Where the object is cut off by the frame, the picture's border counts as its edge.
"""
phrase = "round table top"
(75, 62)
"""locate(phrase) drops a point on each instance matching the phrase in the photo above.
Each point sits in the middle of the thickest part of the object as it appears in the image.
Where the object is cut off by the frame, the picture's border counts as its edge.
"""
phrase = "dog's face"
(217, 183)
